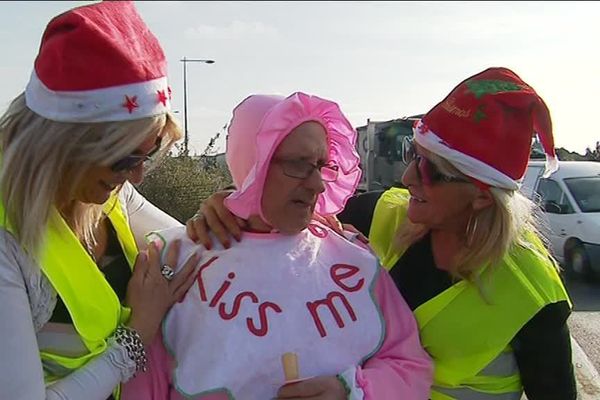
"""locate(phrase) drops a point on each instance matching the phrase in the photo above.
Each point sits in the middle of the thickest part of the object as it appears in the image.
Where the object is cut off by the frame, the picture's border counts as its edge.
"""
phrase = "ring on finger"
(167, 272)
(197, 216)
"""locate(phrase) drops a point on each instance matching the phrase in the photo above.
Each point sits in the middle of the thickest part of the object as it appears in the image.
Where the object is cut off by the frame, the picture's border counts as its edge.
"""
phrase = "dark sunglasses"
(133, 160)
(301, 169)
(427, 172)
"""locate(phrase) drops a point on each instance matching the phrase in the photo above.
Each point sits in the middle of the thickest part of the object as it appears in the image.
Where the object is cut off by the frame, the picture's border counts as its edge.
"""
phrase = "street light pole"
(186, 60)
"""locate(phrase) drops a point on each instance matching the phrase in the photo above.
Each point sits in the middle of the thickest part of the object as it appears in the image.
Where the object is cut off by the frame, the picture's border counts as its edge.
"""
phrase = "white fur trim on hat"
(466, 164)
(116, 103)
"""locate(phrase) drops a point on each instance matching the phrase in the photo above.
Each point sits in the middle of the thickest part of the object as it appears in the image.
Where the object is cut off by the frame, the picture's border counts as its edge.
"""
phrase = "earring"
(471, 229)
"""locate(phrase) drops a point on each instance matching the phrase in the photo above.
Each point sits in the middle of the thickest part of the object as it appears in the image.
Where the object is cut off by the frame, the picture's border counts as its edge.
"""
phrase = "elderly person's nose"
(315, 182)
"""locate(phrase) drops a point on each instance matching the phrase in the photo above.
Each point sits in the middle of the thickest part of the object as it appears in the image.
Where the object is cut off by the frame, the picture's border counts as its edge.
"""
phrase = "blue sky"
(378, 60)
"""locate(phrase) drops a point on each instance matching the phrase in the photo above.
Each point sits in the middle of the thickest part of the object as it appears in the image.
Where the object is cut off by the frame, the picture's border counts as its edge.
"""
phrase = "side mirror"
(551, 207)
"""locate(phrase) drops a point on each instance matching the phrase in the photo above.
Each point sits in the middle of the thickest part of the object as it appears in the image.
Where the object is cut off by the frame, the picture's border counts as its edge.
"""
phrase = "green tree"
(180, 183)
(593, 155)
(537, 152)
(566, 155)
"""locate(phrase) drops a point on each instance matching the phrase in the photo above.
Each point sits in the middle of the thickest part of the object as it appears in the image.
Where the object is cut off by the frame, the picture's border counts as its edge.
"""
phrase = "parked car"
(570, 199)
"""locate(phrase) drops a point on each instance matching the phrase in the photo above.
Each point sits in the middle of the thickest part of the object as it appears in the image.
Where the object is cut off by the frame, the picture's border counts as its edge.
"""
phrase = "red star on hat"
(130, 103)
(162, 97)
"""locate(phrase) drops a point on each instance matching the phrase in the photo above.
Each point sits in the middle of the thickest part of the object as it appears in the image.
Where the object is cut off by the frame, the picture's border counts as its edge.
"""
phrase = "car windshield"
(586, 192)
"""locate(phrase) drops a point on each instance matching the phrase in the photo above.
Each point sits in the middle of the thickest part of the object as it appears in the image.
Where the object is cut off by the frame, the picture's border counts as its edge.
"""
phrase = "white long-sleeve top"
(27, 301)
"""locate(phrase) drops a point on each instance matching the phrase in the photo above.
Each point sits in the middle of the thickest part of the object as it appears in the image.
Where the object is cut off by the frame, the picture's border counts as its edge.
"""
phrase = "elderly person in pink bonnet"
(293, 286)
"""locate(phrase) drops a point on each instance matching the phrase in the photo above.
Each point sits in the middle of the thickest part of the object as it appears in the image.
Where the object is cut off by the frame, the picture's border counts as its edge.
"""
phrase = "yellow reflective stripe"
(493, 384)
(61, 338)
(53, 371)
(503, 365)
(465, 393)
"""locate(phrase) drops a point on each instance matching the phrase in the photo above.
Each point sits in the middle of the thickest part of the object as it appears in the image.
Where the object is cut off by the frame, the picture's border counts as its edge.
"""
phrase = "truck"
(380, 146)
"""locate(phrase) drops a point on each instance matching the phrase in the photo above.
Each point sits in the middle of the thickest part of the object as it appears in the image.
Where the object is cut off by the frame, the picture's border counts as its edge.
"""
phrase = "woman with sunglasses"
(81, 295)
(462, 246)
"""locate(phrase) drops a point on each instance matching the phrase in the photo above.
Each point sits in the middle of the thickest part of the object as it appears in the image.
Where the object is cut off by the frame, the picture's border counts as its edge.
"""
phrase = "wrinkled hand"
(319, 388)
(360, 236)
(214, 216)
(150, 295)
(332, 222)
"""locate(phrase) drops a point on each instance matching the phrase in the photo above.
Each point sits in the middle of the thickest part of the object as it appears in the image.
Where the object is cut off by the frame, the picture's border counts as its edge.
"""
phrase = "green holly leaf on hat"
(482, 87)
(479, 114)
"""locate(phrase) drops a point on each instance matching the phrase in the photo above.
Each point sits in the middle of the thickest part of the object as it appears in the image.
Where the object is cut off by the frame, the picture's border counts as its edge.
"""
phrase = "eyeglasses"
(133, 160)
(301, 169)
(427, 172)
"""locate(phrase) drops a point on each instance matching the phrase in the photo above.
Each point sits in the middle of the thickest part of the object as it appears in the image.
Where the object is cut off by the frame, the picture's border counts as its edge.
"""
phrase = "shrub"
(179, 184)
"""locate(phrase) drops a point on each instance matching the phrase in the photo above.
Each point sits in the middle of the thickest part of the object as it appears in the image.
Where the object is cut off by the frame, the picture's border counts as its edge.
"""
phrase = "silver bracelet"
(132, 342)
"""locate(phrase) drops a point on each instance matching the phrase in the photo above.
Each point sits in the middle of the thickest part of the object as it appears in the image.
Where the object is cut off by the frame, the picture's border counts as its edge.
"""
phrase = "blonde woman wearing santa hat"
(462, 247)
(79, 299)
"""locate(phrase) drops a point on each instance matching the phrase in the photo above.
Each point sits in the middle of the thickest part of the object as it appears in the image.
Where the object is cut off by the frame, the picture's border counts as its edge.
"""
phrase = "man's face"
(288, 201)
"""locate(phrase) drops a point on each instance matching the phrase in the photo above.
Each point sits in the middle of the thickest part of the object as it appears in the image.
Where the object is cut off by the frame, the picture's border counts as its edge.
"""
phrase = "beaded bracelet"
(131, 340)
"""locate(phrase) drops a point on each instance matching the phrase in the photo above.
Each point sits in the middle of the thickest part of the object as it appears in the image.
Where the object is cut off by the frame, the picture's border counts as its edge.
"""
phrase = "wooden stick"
(290, 366)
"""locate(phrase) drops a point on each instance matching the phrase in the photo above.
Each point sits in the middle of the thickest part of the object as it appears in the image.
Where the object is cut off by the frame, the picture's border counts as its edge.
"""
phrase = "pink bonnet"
(260, 123)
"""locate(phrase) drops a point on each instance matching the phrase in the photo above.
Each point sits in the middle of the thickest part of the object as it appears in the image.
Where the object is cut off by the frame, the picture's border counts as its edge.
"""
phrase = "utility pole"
(186, 60)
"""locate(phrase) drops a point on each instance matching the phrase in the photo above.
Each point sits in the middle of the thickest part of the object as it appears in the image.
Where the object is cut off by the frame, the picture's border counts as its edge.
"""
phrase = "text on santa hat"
(449, 106)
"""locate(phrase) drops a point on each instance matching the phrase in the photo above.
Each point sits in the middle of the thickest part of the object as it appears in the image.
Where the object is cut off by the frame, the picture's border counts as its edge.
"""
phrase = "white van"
(570, 198)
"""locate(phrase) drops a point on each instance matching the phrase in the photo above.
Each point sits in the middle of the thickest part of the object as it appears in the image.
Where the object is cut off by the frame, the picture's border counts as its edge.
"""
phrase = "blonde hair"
(41, 157)
(491, 233)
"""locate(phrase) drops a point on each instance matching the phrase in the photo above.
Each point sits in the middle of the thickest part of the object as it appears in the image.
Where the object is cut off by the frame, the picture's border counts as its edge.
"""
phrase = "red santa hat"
(485, 126)
(99, 63)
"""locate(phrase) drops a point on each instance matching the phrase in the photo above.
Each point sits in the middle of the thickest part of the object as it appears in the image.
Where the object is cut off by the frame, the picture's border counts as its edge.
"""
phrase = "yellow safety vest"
(468, 334)
(93, 305)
